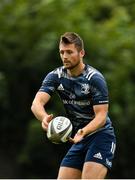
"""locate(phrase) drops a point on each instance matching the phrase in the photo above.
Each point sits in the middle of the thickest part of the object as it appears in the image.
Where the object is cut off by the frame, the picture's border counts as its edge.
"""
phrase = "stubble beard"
(72, 66)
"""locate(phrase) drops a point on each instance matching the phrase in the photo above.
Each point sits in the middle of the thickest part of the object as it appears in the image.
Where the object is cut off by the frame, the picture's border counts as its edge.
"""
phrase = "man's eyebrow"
(61, 50)
(65, 50)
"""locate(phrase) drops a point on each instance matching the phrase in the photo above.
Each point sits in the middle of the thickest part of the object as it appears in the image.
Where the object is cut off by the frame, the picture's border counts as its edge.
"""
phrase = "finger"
(44, 126)
(71, 140)
(49, 118)
(51, 115)
(80, 131)
(45, 122)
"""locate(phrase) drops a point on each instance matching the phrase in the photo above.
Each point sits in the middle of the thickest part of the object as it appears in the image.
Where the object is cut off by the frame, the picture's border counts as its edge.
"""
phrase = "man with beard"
(83, 91)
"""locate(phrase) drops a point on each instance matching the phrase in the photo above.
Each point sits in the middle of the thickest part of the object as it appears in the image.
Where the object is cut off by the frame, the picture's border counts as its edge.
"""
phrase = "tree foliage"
(29, 37)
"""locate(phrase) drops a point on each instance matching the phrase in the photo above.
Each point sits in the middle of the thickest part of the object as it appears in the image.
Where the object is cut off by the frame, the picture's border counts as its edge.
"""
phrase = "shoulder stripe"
(91, 71)
(90, 74)
(59, 72)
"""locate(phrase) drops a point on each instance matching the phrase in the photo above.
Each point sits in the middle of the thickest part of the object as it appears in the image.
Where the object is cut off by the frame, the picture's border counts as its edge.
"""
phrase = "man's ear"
(82, 52)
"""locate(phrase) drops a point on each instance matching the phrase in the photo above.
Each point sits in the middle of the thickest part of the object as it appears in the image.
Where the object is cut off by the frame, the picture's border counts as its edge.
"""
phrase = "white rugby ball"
(59, 130)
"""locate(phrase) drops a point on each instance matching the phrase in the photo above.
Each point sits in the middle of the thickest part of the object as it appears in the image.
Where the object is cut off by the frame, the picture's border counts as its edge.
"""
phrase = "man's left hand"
(78, 137)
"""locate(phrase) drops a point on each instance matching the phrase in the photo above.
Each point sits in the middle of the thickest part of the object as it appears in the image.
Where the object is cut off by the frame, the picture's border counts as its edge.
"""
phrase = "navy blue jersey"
(78, 94)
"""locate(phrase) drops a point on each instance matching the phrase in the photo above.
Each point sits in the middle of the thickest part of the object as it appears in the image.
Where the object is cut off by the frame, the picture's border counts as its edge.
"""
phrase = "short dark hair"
(72, 38)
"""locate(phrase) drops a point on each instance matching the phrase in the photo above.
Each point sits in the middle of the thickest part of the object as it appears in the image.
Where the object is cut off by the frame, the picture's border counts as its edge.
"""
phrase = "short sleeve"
(99, 90)
(49, 84)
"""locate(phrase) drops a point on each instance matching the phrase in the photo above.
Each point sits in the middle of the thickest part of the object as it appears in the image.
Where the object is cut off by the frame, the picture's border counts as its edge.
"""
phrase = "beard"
(70, 65)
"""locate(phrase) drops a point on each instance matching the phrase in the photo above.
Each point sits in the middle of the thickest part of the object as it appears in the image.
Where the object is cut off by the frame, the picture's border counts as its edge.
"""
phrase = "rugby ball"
(59, 130)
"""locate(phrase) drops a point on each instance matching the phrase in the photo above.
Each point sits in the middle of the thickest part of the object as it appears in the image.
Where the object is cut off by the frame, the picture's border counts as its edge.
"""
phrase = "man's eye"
(69, 52)
(61, 52)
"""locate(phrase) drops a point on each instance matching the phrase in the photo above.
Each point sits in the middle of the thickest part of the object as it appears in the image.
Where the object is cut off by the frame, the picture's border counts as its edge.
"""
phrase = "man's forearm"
(39, 111)
(94, 125)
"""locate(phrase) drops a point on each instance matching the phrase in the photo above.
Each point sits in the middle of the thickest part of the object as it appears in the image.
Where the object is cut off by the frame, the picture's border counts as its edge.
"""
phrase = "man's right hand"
(46, 121)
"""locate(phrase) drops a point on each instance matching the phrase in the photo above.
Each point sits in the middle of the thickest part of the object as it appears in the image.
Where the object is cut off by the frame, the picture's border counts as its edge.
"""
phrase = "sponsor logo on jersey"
(60, 87)
(80, 103)
(85, 88)
(98, 155)
(101, 102)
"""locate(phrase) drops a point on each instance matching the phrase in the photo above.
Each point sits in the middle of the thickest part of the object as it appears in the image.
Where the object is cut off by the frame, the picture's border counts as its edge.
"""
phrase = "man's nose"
(65, 55)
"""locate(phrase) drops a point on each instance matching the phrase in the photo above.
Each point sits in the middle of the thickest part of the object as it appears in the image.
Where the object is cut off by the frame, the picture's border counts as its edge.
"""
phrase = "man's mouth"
(66, 62)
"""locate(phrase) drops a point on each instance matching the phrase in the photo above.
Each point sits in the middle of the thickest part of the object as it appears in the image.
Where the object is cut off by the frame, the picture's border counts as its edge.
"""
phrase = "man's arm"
(98, 122)
(38, 109)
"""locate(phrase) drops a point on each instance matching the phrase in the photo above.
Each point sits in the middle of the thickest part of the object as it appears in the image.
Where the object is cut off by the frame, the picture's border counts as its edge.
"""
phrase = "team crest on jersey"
(85, 89)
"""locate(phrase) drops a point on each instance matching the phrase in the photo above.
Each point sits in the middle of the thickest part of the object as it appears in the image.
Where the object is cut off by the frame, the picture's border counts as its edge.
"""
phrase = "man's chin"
(68, 67)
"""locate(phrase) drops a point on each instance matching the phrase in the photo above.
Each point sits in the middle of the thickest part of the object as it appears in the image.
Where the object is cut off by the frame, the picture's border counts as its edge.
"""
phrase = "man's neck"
(77, 70)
